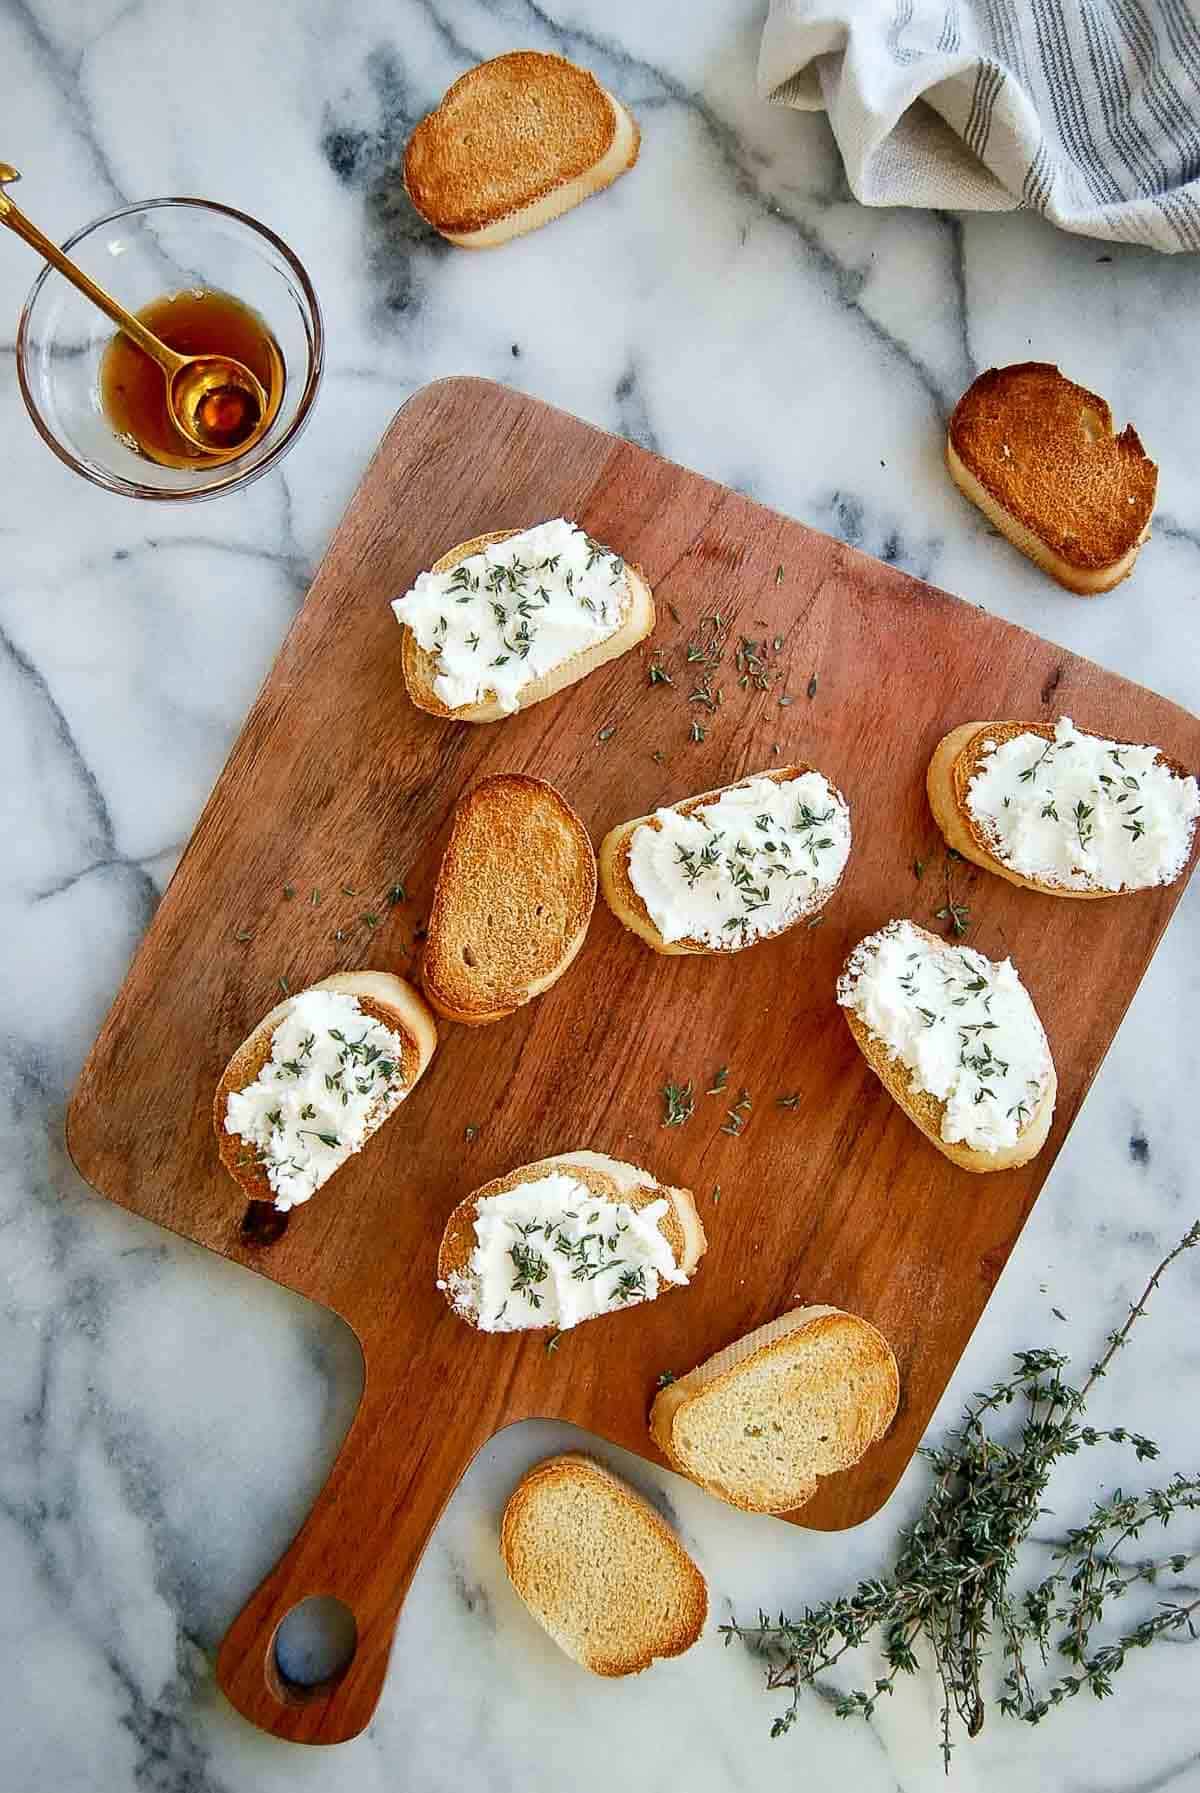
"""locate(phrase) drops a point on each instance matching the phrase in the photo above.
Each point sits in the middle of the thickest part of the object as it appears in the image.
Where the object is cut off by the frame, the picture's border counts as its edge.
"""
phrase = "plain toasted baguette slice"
(516, 142)
(626, 904)
(512, 902)
(1041, 459)
(926, 1110)
(955, 762)
(608, 1178)
(380, 995)
(599, 1569)
(420, 666)
(762, 1421)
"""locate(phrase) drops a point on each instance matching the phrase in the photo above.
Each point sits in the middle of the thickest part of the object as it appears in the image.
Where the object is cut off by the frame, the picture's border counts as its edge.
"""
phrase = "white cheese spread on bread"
(1082, 812)
(334, 1074)
(550, 1253)
(963, 1026)
(750, 862)
(522, 607)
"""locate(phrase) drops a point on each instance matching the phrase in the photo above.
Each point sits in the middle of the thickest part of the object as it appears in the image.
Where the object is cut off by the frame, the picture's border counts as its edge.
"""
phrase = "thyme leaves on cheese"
(949, 1592)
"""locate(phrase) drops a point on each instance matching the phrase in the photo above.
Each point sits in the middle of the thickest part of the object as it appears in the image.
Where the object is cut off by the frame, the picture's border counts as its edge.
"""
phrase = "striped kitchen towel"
(1085, 110)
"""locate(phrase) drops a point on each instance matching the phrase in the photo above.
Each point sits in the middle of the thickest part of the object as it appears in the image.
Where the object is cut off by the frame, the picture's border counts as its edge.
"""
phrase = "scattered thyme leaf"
(679, 1103)
(675, 616)
(720, 1079)
(792, 1102)
(470, 1132)
(289, 891)
(552, 1343)
(242, 935)
(918, 869)
(285, 986)
(607, 732)
(397, 894)
(812, 688)
(665, 1378)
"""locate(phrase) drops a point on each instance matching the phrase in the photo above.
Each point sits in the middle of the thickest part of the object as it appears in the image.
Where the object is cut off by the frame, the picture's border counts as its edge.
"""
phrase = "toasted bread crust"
(717, 1379)
(618, 1623)
(420, 666)
(680, 1226)
(404, 1013)
(926, 1111)
(517, 849)
(1039, 455)
(955, 762)
(625, 902)
(509, 139)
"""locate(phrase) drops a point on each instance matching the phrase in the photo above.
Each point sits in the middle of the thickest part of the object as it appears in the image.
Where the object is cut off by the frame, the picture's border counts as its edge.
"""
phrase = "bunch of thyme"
(949, 1589)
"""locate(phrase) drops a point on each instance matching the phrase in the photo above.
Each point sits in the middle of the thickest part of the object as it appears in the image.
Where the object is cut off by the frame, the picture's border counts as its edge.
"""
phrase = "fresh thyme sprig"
(949, 1589)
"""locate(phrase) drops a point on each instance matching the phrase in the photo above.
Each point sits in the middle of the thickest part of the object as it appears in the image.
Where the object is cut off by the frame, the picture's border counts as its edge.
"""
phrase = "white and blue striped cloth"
(1085, 110)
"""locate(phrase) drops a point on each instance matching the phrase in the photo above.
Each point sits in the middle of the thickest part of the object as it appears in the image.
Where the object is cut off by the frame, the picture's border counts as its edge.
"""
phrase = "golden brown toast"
(513, 899)
(514, 143)
(598, 1567)
(761, 1422)
(1039, 456)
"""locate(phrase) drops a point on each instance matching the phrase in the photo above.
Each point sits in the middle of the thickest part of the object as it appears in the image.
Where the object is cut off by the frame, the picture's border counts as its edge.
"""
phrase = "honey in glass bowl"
(133, 392)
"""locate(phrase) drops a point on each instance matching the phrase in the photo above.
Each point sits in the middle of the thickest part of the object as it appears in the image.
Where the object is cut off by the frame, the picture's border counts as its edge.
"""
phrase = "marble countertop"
(732, 307)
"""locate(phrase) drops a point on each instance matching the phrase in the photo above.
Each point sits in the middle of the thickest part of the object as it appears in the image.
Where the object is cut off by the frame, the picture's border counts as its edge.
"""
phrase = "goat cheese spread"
(1083, 813)
(504, 617)
(964, 1028)
(750, 862)
(334, 1075)
(550, 1254)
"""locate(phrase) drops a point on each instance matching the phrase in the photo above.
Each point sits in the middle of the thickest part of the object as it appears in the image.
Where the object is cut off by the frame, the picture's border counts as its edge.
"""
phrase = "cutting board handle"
(386, 1491)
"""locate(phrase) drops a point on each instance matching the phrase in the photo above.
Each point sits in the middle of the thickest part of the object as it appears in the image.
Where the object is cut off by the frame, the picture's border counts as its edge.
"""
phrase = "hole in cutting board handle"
(312, 1648)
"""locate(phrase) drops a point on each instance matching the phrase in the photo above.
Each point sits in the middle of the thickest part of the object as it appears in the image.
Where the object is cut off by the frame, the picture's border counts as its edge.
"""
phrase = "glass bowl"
(138, 254)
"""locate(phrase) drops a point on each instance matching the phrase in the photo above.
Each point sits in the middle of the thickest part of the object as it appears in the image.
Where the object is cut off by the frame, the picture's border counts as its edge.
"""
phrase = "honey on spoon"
(207, 403)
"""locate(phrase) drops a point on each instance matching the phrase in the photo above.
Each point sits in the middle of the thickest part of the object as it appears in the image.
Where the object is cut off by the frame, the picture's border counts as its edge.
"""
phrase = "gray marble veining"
(164, 1417)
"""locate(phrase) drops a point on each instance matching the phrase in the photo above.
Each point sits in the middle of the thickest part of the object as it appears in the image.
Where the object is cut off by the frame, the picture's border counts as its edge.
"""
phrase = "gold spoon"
(214, 402)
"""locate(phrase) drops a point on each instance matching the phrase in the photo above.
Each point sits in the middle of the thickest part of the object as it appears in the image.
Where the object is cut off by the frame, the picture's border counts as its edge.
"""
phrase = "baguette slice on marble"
(282, 1126)
(1014, 798)
(564, 1240)
(761, 1422)
(1041, 459)
(599, 1569)
(512, 902)
(632, 618)
(516, 142)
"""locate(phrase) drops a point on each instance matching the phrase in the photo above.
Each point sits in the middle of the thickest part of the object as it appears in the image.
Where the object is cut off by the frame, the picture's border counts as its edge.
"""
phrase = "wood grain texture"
(338, 781)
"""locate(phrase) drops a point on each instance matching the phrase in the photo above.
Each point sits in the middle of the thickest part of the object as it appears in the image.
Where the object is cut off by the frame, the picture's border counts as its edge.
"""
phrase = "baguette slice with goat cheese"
(761, 1422)
(1053, 809)
(316, 1079)
(564, 1240)
(599, 1569)
(513, 900)
(516, 142)
(728, 868)
(956, 1041)
(509, 618)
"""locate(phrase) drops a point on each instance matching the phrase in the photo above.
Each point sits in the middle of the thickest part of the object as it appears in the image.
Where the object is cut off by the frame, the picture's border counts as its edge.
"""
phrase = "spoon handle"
(24, 227)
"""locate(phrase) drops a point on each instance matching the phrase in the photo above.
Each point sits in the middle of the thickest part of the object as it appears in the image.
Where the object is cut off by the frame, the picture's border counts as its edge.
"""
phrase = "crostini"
(509, 618)
(1054, 809)
(317, 1079)
(955, 1039)
(723, 870)
(761, 1422)
(566, 1239)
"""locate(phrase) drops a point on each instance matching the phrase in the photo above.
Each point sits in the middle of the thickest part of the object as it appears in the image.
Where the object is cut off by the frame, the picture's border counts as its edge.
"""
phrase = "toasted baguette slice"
(516, 142)
(381, 996)
(513, 900)
(927, 1112)
(762, 1421)
(1040, 458)
(627, 905)
(420, 666)
(957, 760)
(606, 1178)
(599, 1569)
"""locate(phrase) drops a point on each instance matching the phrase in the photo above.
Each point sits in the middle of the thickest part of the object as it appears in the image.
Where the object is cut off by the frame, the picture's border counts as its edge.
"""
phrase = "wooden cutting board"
(338, 785)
